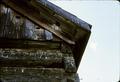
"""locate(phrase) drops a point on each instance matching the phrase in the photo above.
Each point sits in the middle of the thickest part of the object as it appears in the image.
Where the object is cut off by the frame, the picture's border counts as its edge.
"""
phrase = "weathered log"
(22, 74)
(22, 43)
(33, 54)
(32, 58)
(43, 62)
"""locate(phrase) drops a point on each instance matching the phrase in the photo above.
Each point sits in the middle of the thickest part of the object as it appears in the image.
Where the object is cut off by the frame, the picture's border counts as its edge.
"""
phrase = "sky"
(100, 62)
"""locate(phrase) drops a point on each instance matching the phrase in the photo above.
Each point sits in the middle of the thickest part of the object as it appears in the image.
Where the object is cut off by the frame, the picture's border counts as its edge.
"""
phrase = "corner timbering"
(69, 65)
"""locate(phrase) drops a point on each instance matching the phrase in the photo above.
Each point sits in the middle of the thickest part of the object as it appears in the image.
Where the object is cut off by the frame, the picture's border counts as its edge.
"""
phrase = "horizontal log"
(16, 43)
(43, 62)
(32, 58)
(32, 54)
(34, 71)
(22, 74)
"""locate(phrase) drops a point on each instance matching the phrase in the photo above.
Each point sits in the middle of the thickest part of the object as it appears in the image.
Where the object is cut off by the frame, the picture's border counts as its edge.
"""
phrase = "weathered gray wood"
(22, 74)
(43, 62)
(16, 43)
(32, 58)
(15, 26)
(65, 25)
(69, 24)
(25, 9)
(69, 64)
(62, 13)
(14, 74)
(7, 28)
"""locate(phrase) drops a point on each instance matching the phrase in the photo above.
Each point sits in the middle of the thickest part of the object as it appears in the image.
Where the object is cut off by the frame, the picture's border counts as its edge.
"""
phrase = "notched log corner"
(69, 64)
